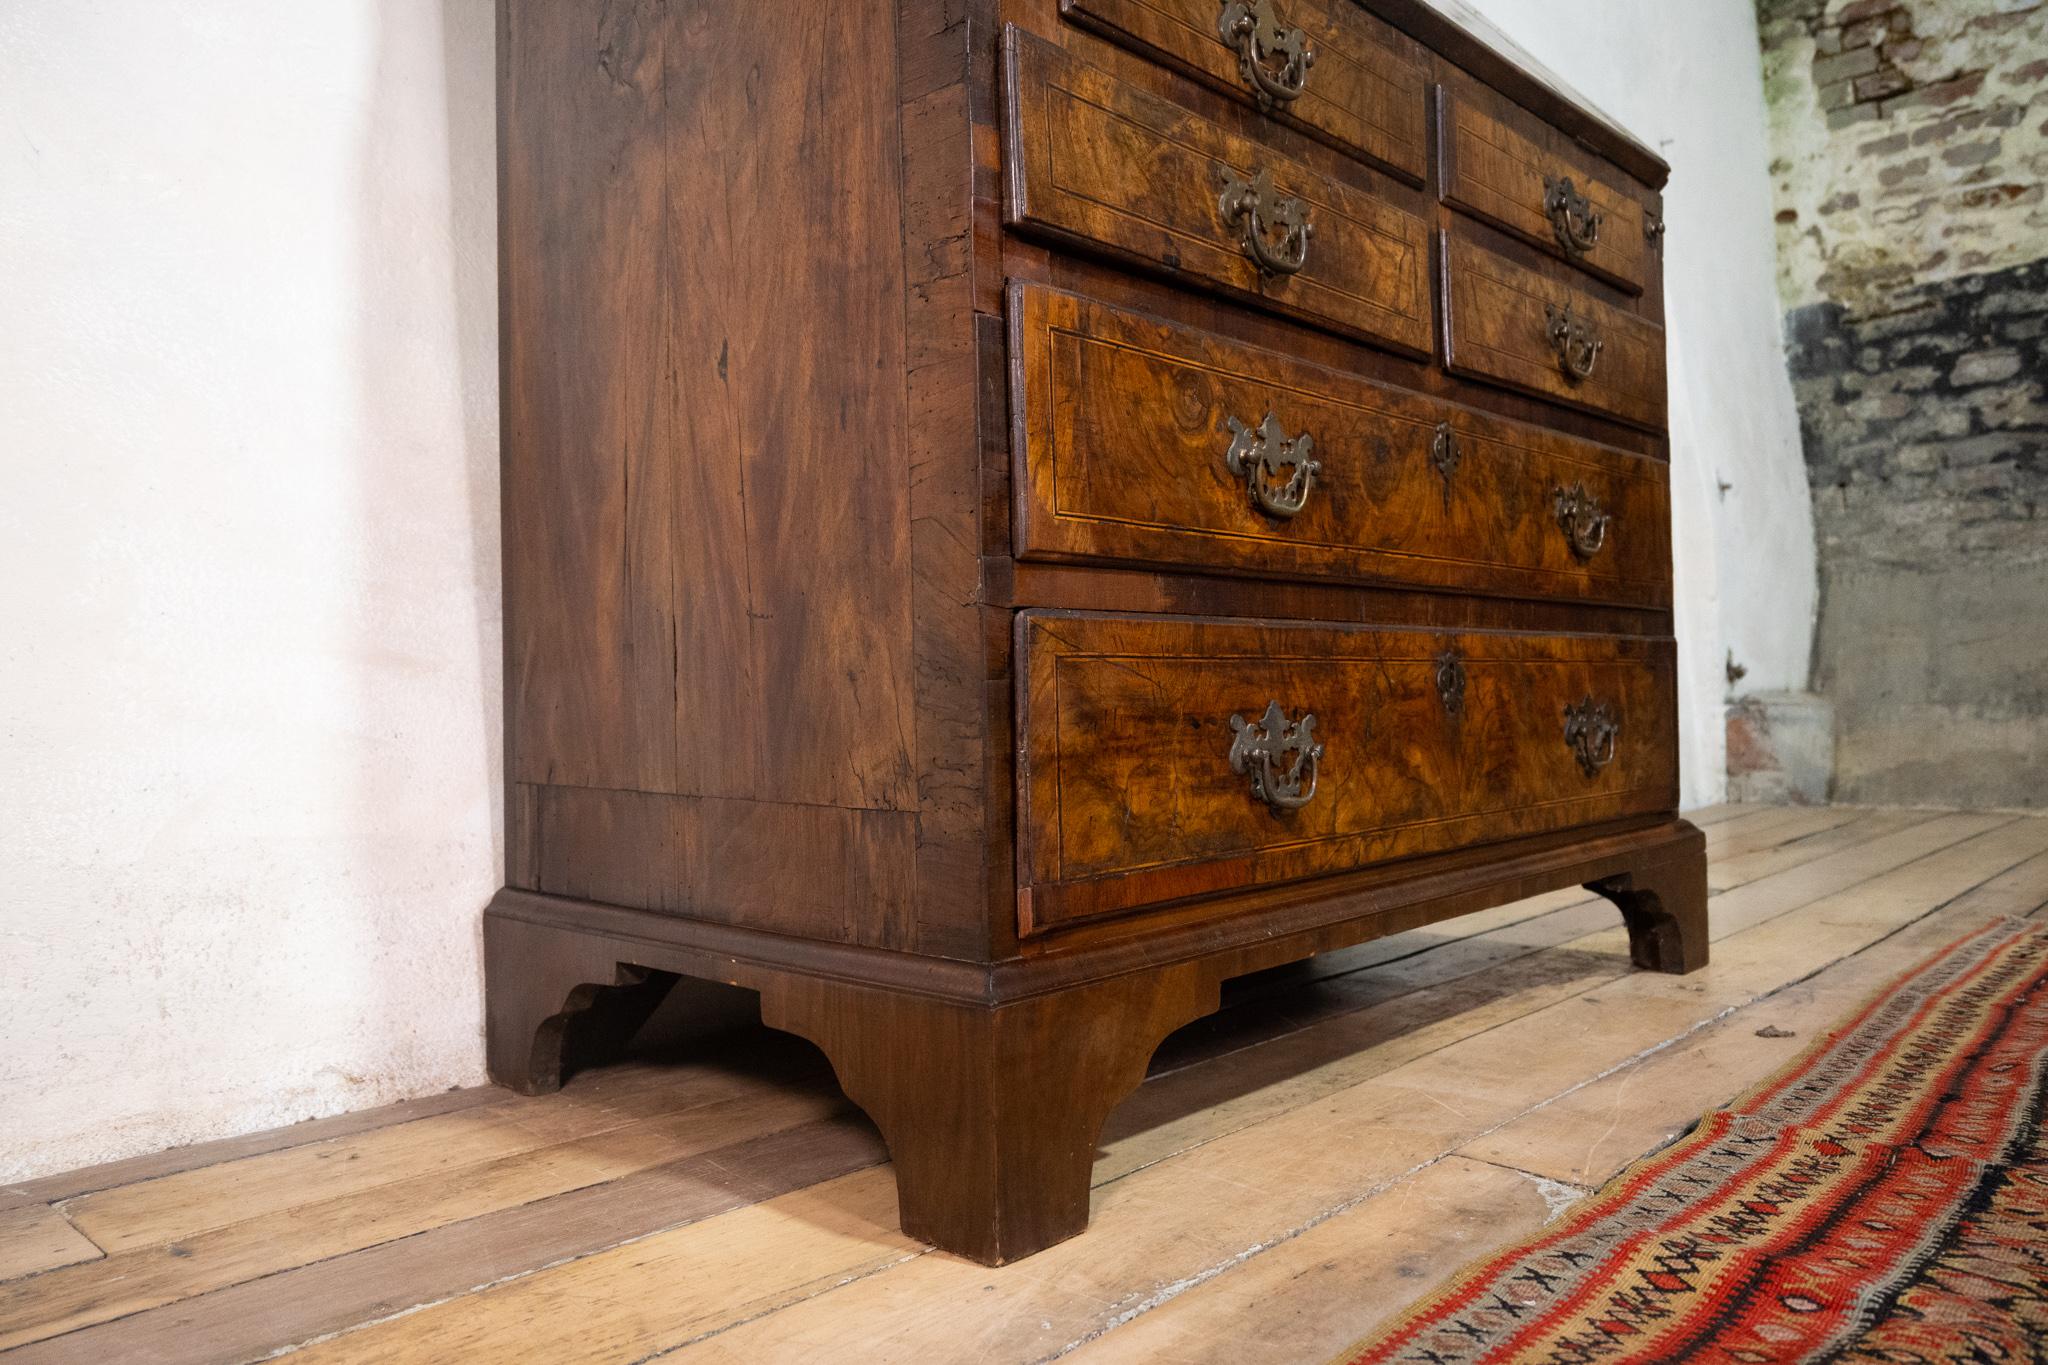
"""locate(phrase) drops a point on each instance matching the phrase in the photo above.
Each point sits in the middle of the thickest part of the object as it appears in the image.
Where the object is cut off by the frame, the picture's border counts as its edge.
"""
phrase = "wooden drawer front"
(1128, 796)
(1095, 160)
(1500, 319)
(1493, 172)
(1124, 439)
(1359, 91)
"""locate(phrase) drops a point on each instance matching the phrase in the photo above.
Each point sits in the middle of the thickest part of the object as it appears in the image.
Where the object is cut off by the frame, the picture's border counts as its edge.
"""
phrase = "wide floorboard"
(1294, 1170)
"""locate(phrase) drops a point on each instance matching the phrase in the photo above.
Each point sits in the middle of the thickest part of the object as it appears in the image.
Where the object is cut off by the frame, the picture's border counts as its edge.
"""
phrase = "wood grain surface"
(1295, 1168)
(1496, 327)
(1365, 91)
(1122, 425)
(1102, 163)
(1497, 166)
(1128, 796)
(739, 498)
(771, 721)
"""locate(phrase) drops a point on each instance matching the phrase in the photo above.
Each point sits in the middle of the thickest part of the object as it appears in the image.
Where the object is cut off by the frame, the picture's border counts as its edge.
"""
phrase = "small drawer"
(1531, 331)
(1096, 161)
(1139, 440)
(1164, 758)
(1326, 65)
(1539, 187)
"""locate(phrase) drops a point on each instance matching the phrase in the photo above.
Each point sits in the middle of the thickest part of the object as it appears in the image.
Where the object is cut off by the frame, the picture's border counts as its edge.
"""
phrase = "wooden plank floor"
(1294, 1170)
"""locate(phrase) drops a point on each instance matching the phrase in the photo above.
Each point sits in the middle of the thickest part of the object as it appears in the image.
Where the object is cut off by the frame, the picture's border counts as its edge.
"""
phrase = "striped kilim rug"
(1885, 1198)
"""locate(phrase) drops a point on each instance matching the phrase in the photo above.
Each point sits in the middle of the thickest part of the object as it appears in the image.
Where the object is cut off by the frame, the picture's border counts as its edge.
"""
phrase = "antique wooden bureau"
(1019, 511)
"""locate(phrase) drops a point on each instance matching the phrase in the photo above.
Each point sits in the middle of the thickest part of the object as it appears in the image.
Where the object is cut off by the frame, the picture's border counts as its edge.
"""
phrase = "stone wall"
(1911, 146)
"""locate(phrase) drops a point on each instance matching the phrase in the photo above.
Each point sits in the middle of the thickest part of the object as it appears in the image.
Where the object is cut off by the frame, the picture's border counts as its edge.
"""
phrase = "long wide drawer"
(1527, 330)
(1143, 441)
(1097, 161)
(1164, 758)
(1325, 64)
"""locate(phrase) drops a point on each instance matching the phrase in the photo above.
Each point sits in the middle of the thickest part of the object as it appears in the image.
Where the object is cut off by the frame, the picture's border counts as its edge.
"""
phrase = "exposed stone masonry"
(1858, 56)
(1911, 165)
(1911, 142)
(1926, 429)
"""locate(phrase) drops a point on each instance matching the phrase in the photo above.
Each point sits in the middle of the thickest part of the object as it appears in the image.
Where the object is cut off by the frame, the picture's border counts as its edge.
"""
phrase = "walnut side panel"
(844, 876)
(708, 515)
(789, 401)
(730, 407)
(588, 480)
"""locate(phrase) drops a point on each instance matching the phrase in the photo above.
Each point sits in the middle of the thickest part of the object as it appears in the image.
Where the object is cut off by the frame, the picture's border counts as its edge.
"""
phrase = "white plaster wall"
(249, 612)
(249, 638)
(1686, 78)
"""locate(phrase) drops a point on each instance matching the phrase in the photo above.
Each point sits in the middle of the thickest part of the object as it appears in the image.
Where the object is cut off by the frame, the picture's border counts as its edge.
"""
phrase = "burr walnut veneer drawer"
(1096, 161)
(1141, 440)
(1536, 185)
(1532, 331)
(1166, 757)
(1324, 64)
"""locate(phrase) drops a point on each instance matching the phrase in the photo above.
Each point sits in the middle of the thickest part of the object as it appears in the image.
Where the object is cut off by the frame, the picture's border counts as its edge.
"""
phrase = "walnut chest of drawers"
(1019, 511)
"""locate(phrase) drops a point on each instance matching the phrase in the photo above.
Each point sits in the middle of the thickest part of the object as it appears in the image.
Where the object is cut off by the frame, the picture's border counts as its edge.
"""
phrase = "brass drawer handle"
(1653, 229)
(1582, 519)
(1450, 682)
(1578, 343)
(1259, 215)
(1251, 27)
(1445, 457)
(1591, 729)
(1262, 457)
(1572, 216)
(1261, 752)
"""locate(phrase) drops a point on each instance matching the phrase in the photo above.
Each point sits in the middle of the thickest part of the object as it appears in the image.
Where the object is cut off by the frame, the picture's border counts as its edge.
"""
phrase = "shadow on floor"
(1275, 1028)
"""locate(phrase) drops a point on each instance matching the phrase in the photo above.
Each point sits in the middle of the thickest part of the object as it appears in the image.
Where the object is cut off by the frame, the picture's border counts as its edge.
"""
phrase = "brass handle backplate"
(1445, 457)
(1572, 216)
(1278, 471)
(1582, 519)
(1591, 729)
(1281, 757)
(1273, 58)
(1577, 343)
(1450, 682)
(1273, 228)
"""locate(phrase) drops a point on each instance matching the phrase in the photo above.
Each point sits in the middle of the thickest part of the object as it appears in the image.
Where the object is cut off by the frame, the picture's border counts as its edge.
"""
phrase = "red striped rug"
(1885, 1198)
